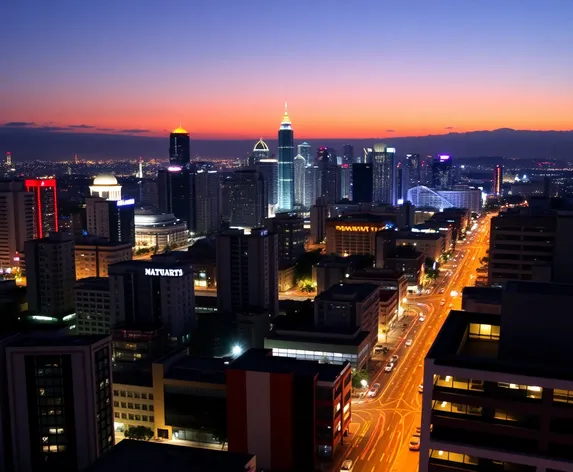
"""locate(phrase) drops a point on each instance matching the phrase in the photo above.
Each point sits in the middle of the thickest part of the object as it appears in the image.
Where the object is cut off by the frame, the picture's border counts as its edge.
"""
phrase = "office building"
(94, 255)
(409, 261)
(51, 275)
(260, 151)
(106, 186)
(145, 456)
(305, 150)
(442, 172)
(530, 246)
(60, 402)
(247, 266)
(137, 343)
(413, 171)
(111, 219)
(497, 180)
(482, 299)
(362, 183)
(387, 279)
(355, 234)
(348, 154)
(45, 206)
(330, 180)
(366, 156)
(286, 165)
(176, 193)
(299, 180)
(179, 147)
(313, 185)
(93, 310)
(490, 402)
(346, 181)
(400, 184)
(154, 292)
(460, 197)
(17, 211)
(244, 198)
(318, 218)
(288, 412)
(291, 235)
(383, 174)
(431, 245)
(207, 202)
(153, 230)
(269, 169)
(349, 305)
(13, 304)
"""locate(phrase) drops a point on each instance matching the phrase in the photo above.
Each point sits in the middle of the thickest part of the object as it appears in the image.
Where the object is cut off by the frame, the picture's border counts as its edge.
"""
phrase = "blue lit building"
(286, 165)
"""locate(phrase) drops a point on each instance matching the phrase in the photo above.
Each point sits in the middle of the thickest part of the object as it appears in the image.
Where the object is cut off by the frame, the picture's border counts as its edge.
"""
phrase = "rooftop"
(320, 335)
(348, 292)
(362, 218)
(418, 235)
(199, 369)
(179, 130)
(146, 456)
(37, 340)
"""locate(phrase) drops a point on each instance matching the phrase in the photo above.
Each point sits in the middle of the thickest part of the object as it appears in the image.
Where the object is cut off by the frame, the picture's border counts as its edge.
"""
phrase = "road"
(382, 427)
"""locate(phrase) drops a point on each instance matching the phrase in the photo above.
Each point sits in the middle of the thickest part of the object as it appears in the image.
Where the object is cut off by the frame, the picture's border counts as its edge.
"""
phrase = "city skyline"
(472, 71)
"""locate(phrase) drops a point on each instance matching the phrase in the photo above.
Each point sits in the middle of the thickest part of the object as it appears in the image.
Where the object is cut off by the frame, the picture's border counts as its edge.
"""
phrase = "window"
(452, 457)
(458, 383)
(504, 415)
(563, 396)
(483, 331)
(457, 408)
(529, 391)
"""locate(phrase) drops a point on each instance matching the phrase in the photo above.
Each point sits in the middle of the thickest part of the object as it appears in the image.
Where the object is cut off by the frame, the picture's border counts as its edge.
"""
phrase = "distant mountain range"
(27, 143)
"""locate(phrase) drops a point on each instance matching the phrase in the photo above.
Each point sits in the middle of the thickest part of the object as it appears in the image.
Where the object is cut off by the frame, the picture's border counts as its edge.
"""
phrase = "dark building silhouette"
(442, 172)
(179, 147)
(362, 183)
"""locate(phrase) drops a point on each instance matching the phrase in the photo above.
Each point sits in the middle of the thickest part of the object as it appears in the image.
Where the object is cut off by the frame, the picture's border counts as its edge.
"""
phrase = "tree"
(139, 433)
(306, 285)
(358, 377)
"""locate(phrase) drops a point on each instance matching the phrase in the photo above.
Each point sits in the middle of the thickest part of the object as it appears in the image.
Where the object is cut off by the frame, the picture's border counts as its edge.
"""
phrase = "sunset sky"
(224, 68)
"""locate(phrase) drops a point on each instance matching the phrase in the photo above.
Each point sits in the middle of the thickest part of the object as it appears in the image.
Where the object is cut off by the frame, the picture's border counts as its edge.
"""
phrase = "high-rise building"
(59, 401)
(46, 205)
(400, 183)
(383, 174)
(51, 275)
(459, 197)
(497, 180)
(106, 186)
(312, 185)
(413, 171)
(113, 220)
(17, 210)
(330, 181)
(247, 271)
(244, 198)
(305, 150)
(299, 180)
(348, 154)
(286, 165)
(346, 181)
(154, 292)
(442, 172)
(94, 255)
(176, 190)
(269, 169)
(179, 147)
(93, 306)
(260, 151)
(207, 202)
(322, 155)
(366, 156)
(362, 183)
(291, 235)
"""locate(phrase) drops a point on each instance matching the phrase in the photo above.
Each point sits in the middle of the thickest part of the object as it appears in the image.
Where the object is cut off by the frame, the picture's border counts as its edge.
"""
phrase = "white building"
(425, 197)
(105, 186)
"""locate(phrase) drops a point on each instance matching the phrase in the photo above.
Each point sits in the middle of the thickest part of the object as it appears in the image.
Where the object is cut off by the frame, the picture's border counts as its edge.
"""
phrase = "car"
(414, 444)
(408, 342)
(418, 429)
(422, 318)
(374, 390)
(389, 367)
(443, 302)
(442, 290)
(394, 359)
(347, 466)
(450, 306)
(421, 388)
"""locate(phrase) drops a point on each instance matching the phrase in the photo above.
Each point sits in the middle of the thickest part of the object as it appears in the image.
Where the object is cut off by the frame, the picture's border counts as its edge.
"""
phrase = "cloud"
(81, 126)
(449, 127)
(52, 128)
(18, 124)
(105, 129)
(133, 131)
(390, 131)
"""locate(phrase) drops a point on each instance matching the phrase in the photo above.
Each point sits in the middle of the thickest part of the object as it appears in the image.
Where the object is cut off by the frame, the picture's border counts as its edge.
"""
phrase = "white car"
(408, 342)
(374, 390)
(347, 466)
(422, 318)
(421, 388)
(414, 444)
(389, 367)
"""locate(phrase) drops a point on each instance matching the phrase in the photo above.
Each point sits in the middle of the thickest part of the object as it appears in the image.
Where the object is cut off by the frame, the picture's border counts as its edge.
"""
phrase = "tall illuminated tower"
(497, 180)
(179, 147)
(46, 205)
(383, 174)
(286, 164)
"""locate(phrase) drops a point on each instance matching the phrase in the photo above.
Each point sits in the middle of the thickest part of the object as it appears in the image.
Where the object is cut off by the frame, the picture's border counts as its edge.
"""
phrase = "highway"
(382, 427)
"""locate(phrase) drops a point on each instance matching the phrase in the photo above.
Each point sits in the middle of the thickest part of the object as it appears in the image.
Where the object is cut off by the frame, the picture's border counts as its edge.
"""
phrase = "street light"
(237, 350)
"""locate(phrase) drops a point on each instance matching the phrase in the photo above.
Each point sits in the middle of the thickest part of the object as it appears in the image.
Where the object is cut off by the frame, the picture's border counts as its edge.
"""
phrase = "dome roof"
(105, 179)
(179, 130)
(261, 146)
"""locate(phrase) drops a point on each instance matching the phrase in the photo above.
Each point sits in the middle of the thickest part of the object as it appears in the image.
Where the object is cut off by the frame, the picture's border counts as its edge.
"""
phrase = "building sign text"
(164, 272)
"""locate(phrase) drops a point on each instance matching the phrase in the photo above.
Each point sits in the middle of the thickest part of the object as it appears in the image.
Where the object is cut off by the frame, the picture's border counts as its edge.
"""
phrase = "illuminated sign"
(444, 157)
(164, 272)
(174, 168)
(120, 203)
(359, 229)
(391, 150)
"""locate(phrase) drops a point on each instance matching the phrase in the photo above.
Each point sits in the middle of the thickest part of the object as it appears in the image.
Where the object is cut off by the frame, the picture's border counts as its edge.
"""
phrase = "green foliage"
(358, 377)
(139, 433)
(306, 285)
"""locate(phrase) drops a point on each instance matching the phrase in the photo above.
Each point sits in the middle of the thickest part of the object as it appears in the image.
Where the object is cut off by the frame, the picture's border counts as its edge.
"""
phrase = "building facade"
(93, 306)
(286, 165)
(383, 174)
(45, 205)
(244, 199)
(179, 147)
(93, 256)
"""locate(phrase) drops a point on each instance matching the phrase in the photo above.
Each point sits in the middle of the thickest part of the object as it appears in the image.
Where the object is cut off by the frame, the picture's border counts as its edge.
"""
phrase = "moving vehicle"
(347, 466)
(374, 390)
(422, 318)
(408, 342)
(394, 359)
(442, 290)
(421, 388)
(443, 302)
(414, 444)
(389, 367)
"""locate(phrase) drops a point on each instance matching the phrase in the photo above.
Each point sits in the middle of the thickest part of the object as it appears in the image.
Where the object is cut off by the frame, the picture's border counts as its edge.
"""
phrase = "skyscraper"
(312, 185)
(346, 181)
(413, 165)
(269, 169)
(362, 183)
(348, 154)
(179, 147)
(176, 194)
(299, 180)
(46, 205)
(366, 156)
(400, 183)
(383, 174)
(260, 151)
(497, 180)
(322, 155)
(247, 271)
(305, 151)
(244, 199)
(286, 164)
(207, 202)
(113, 220)
(442, 172)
